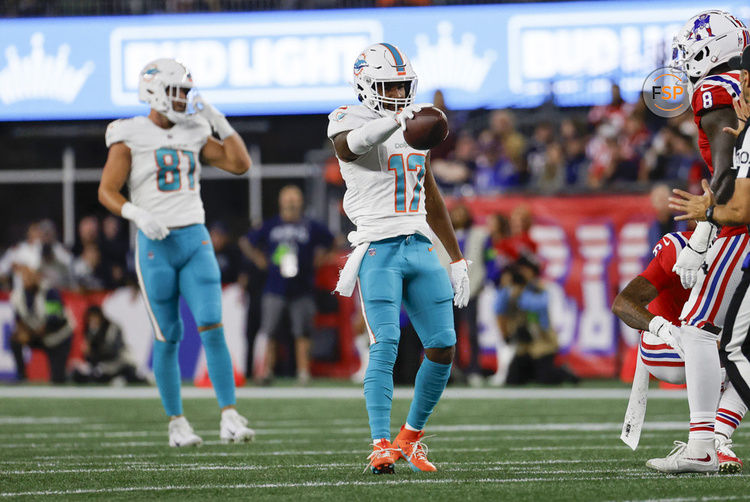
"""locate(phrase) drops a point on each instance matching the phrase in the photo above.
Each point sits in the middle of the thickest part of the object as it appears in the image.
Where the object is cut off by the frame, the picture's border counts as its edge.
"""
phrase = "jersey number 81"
(168, 161)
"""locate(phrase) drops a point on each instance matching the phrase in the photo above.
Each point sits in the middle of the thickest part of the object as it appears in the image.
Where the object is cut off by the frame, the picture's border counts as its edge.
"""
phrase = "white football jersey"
(165, 167)
(385, 186)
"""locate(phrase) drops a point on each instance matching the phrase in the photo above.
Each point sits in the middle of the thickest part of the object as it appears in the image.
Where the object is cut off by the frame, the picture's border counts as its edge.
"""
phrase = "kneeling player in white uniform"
(160, 157)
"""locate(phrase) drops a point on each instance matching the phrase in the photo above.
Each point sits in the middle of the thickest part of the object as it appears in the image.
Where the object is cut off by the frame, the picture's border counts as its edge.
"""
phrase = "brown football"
(427, 129)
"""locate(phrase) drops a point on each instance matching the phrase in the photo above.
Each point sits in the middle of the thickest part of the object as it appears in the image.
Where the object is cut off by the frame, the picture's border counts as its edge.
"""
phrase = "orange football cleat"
(409, 447)
(382, 458)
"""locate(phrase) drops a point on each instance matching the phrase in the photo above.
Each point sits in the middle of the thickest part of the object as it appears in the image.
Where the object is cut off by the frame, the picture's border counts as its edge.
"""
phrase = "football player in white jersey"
(160, 158)
(392, 198)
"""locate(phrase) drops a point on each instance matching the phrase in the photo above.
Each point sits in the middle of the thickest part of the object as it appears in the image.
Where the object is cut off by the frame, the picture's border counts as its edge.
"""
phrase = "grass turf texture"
(315, 449)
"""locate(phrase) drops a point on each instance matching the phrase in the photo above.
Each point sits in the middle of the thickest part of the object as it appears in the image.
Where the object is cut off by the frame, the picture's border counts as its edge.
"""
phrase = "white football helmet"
(159, 85)
(707, 40)
(378, 65)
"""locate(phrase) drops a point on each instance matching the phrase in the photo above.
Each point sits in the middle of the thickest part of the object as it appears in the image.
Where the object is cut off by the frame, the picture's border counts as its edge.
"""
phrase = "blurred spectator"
(498, 227)
(519, 243)
(664, 222)
(501, 164)
(25, 250)
(41, 321)
(107, 357)
(228, 253)
(458, 168)
(88, 234)
(114, 249)
(446, 147)
(613, 113)
(56, 259)
(471, 239)
(522, 308)
(289, 247)
(89, 273)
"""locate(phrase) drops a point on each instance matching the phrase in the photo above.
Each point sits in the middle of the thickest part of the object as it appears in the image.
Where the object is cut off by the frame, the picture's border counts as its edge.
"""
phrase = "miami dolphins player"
(160, 157)
(392, 198)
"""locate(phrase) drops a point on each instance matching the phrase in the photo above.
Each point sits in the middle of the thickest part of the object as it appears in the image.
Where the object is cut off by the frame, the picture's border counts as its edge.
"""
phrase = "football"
(427, 129)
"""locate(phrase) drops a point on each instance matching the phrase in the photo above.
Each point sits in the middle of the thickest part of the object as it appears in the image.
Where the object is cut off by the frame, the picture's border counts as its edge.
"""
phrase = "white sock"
(703, 378)
(410, 428)
(731, 410)
(229, 412)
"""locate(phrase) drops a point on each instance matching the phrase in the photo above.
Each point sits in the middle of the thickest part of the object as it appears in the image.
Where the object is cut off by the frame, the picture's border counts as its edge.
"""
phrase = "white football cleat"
(679, 460)
(234, 428)
(181, 434)
(729, 463)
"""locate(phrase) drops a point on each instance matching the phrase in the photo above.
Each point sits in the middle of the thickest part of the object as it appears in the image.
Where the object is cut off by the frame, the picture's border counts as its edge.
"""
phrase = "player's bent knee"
(173, 332)
(208, 314)
(440, 355)
(387, 333)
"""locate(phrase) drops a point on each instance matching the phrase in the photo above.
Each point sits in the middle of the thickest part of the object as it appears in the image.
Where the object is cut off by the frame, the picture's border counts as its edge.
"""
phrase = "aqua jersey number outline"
(168, 163)
(415, 162)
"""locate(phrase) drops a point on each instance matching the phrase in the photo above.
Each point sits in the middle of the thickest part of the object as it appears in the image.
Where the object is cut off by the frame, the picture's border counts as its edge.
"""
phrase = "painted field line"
(237, 454)
(326, 393)
(582, 447)
(11, 420)
(327, 467)
(320, 484)
(694, 499)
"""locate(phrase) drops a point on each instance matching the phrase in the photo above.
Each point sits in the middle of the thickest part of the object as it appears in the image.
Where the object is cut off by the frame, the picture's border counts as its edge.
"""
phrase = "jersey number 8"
(168, 161)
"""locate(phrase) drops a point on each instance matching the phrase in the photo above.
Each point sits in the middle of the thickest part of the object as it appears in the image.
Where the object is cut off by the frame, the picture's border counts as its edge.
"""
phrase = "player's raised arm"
(230, 154)
(349, 145)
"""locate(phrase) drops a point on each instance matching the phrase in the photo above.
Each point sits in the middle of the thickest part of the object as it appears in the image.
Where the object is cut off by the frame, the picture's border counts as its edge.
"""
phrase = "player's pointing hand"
(694, 206)
(742, 109)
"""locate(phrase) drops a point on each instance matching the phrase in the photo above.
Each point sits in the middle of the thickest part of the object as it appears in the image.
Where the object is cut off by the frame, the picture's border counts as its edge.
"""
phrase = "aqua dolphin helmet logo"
(360, 64)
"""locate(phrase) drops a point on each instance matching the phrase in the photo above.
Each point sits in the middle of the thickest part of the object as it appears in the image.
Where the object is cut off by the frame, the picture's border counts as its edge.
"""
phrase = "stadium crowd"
(486, 153)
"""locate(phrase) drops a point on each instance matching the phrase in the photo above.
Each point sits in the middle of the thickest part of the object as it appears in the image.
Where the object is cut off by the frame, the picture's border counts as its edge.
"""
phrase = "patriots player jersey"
(165, 167)
(672, 296)
(385, 186)
(711, 93)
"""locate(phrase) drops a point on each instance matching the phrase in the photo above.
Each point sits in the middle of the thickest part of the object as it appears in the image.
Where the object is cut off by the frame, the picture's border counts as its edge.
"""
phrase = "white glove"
(460, 282)
(693, 255)
(688, 265)
(667, 332)
(408, 113)
(145, 221)
(218, 121)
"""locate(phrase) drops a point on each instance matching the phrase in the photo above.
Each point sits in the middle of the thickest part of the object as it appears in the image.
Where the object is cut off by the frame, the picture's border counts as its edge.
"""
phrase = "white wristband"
(130, 211)
(362, 139)
(702, 236)
(656, 323)
(223, 128)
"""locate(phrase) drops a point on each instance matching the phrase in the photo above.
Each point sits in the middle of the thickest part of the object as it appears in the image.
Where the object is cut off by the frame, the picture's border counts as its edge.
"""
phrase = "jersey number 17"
(414, 163)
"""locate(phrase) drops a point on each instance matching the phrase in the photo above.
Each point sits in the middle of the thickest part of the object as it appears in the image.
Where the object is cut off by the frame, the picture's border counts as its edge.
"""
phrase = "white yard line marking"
(319, 485)
(325, 393)
(9, 420)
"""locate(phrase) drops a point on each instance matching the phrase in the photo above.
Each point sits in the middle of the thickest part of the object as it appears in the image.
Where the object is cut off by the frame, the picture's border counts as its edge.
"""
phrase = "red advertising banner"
(591, 247)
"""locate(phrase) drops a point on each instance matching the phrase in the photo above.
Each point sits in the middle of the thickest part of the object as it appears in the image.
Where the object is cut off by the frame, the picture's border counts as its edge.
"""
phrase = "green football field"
(524, 444)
